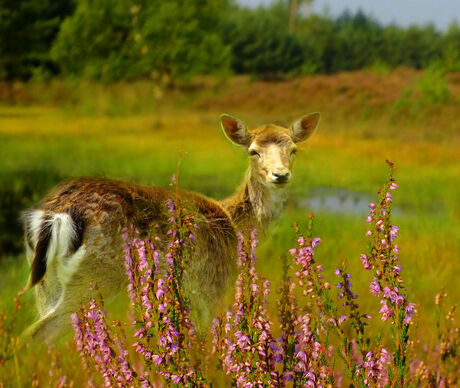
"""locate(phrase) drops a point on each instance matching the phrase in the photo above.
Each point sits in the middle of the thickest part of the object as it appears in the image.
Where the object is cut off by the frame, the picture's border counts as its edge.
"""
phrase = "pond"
(339, 201)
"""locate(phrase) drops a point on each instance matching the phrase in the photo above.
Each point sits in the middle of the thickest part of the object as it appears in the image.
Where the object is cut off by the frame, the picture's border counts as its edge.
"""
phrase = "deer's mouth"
(280, 183)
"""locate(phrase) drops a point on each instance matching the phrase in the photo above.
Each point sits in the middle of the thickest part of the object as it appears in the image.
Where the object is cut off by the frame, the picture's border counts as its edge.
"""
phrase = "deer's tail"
(50, 236)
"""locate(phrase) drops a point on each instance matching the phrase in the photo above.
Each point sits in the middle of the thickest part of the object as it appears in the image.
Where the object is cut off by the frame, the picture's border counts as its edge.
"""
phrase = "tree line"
(128, 39)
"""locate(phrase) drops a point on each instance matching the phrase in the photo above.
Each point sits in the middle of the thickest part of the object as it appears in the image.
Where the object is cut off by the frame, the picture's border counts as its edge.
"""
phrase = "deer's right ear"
(235, 129)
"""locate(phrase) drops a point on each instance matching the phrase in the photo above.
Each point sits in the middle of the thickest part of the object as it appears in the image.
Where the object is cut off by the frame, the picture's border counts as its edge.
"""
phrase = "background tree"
(27, 31)
(260, 41)
(128, 39)
(97, 40)
(181, 37)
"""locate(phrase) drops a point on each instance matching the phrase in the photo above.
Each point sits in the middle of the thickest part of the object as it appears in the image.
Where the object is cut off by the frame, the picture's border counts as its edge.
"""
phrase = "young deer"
(73, 237)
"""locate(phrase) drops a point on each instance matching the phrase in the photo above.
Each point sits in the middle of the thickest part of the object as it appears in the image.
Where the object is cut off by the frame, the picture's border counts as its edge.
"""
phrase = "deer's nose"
(281, 177)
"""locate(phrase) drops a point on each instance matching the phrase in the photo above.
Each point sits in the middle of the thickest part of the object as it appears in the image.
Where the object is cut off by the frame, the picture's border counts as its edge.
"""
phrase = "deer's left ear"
(235, 129)
(304, 127)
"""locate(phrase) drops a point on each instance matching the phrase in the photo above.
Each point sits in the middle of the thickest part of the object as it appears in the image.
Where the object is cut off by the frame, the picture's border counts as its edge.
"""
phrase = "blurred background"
(125, 88)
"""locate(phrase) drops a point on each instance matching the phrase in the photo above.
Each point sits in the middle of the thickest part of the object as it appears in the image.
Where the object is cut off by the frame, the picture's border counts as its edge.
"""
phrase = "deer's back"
(110, 204)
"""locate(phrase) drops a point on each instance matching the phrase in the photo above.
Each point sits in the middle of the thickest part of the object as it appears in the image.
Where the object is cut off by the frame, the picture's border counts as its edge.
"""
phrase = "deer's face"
(271, 152)
(271, 148)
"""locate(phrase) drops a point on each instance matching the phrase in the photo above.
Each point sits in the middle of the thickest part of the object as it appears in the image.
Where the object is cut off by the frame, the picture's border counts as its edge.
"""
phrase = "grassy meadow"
(139, 132)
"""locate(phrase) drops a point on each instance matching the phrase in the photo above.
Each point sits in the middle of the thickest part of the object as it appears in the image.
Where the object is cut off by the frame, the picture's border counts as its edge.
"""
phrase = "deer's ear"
(304, 127)
(235, 129)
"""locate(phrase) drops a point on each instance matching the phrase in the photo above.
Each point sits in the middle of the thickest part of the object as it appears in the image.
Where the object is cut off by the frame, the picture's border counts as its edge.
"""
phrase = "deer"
(73, 237)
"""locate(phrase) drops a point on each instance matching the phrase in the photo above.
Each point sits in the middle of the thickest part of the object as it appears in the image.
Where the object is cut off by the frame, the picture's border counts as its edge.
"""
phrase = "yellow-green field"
(138, 133)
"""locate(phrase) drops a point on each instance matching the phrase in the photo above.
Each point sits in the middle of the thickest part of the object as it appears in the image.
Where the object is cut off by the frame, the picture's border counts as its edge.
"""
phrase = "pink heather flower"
(393, 232)
(342, 318)
(161, 289)
(388, 197)
(301, 240)
(365, 261)
(315, 242)
(375, 287)
(409, 310)
(338, 272)
(171, 206)
(386, 311)
(368, 233)
(369, 219)
(393, 186)
(76, 324)
(176, 379)
(301, 355)
(372, 206)
(293, 251)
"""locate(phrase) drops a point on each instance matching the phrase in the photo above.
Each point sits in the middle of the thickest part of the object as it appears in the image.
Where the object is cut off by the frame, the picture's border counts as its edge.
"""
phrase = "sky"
(402, 12)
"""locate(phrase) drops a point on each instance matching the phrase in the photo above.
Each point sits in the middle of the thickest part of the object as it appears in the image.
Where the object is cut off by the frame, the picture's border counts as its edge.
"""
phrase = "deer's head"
(271, 148)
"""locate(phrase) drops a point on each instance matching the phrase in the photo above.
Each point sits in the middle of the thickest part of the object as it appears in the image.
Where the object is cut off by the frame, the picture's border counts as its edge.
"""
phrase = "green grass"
(145, 146)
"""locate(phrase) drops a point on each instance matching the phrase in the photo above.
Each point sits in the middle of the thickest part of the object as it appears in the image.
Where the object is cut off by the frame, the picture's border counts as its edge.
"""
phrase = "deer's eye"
(254, 153)
(294, 151)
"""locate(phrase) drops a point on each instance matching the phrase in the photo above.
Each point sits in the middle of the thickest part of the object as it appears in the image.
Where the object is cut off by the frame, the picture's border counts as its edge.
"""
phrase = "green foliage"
(125, 39)
(359, 40)
(177, 37)
(260, 41)
(431, 88)
(450, 48)
(96, 40)
(27, 30)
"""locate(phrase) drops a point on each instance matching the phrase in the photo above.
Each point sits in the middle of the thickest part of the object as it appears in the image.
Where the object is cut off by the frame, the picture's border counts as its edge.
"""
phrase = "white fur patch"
(62, 236)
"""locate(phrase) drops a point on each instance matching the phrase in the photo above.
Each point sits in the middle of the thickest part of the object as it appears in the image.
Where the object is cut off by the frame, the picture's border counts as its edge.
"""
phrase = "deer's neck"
(254, 204)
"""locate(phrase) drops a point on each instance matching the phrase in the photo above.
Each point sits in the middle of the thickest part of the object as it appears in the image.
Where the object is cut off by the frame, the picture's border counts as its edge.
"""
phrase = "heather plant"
(9, 341)
(96, 346)
(244, 340)
(165, 335)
